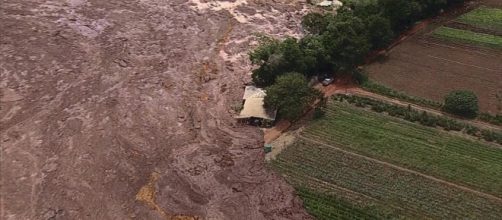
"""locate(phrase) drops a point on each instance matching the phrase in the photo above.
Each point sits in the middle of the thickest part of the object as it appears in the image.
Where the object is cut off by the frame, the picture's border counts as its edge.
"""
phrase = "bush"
(462, 103)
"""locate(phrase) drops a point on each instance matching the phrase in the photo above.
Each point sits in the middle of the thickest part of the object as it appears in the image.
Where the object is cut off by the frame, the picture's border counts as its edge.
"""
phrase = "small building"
(253, 109)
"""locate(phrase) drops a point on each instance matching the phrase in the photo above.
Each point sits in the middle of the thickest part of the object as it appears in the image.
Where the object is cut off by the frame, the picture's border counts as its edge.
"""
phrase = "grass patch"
(469, 37)
(483, 17)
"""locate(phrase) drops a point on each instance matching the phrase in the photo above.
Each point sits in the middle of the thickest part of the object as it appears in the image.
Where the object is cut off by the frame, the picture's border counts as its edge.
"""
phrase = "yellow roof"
(253, 107)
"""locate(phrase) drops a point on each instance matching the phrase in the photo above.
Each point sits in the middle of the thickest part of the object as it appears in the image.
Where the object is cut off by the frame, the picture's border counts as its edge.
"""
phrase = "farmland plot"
(411, 145)
(429, 68)
(366, 177)
(462, 55)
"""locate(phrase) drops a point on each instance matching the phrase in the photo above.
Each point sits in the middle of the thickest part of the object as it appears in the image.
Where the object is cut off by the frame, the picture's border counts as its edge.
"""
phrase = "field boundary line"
(457, 62)
(425, 41)
(479, 193)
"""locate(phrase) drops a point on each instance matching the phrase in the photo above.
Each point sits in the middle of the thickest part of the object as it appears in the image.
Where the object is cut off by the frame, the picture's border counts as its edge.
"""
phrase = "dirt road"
(121, 110)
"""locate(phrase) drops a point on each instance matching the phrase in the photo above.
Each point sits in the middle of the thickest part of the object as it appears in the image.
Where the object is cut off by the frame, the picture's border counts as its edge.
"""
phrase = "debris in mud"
(121, 62)
(224, 161)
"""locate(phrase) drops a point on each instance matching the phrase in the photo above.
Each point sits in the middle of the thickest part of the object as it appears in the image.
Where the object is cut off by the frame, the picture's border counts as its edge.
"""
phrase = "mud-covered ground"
(122, 110)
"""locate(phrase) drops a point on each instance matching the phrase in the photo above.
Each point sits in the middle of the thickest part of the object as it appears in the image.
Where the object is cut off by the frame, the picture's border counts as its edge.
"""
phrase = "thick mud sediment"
(122, 110)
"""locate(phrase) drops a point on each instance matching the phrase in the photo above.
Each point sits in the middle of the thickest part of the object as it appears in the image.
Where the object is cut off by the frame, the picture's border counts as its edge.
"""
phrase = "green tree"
(379, 31)
(317, 59)
(276, 58)
(400, 13)
(462, 103)
(346, 41)
(291, 95)
(314, 23)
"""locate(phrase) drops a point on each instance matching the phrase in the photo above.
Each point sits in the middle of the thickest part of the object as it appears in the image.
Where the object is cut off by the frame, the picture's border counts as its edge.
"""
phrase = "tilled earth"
(123, 110)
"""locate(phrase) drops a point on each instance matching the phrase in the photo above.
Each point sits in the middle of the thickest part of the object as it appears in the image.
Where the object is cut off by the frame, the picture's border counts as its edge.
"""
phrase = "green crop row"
(442, 154)
(325, 206)
(469, 37)
(422, 117)
(396, 193)
(484, 17)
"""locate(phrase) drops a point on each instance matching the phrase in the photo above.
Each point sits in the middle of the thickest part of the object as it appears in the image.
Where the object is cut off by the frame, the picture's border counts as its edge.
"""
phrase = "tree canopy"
(291, 95)
(462, 103)
(334, 44)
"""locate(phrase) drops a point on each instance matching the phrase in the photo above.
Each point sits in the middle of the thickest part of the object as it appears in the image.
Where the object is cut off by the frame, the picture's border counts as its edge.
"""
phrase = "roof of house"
(330, 3)
(254, 92)
(253, 107)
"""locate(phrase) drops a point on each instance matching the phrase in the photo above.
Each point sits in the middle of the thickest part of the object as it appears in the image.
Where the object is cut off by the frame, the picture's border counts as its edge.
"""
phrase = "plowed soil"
(122, 110)
(431, 68)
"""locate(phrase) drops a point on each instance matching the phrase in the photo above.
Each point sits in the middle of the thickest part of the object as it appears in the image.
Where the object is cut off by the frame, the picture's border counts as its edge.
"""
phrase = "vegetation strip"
(380, 89)
(385, 91)
(483, 17)
(469, 37)
(422, 117)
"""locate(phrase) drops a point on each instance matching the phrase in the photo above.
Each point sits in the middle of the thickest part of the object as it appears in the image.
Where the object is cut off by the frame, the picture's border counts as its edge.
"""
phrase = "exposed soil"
(430, 68)
(121, 110)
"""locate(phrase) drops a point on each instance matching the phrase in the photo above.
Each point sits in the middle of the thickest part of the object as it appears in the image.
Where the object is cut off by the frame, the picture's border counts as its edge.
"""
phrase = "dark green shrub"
(462, 103)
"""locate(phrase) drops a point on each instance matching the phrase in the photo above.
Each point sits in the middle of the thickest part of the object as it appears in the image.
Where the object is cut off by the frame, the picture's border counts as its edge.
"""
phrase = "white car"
(328, 81)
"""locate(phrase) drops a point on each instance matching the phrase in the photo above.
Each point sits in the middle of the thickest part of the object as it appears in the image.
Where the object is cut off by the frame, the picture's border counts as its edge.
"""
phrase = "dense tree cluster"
(337, 43)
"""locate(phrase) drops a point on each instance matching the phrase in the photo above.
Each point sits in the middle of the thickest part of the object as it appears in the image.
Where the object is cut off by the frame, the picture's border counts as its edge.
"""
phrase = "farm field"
(356, 164)
(469, 37)
(484, 17)
(459, 52)
(430, 68)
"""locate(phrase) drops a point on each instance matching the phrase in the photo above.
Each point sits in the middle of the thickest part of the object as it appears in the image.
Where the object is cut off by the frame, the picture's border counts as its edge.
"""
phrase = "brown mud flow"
(121, 110)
